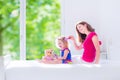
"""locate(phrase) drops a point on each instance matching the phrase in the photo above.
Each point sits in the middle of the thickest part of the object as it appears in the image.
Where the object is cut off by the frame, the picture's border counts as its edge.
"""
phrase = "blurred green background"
(42, 27)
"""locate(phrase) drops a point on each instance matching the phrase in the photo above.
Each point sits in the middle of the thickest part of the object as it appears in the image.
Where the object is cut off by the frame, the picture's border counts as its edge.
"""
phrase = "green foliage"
(9, 22)
(42, 26)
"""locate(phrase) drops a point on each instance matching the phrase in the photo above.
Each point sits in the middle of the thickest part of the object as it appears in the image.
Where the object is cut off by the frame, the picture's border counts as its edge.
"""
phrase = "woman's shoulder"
(93, 34)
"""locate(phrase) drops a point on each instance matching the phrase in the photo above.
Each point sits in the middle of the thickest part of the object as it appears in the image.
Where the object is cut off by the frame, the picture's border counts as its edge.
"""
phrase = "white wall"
(103, 15)
(1, 68)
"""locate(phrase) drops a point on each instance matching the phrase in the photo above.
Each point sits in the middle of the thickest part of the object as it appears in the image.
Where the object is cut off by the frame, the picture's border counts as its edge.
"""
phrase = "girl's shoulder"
(66, 49)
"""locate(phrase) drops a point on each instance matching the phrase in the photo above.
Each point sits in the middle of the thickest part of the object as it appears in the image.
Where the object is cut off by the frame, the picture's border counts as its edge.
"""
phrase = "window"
(31, 27)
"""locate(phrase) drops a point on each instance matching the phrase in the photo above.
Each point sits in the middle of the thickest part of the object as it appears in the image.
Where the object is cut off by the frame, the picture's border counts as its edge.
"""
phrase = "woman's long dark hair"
(81, 37)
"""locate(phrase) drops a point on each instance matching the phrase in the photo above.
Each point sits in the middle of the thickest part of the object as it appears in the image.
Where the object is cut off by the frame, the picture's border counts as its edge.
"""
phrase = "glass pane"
(9, 27)
(43, 26)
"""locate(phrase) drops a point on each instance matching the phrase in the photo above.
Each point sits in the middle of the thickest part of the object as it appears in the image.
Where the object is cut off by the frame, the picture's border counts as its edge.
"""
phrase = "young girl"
(62, 44)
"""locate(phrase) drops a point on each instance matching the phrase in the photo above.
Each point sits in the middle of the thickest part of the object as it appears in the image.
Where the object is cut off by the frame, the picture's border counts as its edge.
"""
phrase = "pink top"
(89, 49)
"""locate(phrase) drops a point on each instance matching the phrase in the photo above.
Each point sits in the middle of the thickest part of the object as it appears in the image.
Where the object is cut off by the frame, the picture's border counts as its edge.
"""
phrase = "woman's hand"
(71, 37)
(78, 47)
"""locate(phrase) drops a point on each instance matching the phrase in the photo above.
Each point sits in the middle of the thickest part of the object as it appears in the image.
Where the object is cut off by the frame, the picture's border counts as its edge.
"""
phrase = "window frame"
(22, 29)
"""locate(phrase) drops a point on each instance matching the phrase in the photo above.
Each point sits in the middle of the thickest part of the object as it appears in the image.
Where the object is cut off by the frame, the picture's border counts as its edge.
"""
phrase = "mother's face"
(81, 28)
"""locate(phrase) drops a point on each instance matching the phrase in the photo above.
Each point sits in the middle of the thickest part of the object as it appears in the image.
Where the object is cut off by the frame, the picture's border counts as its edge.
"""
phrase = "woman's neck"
(87, 32)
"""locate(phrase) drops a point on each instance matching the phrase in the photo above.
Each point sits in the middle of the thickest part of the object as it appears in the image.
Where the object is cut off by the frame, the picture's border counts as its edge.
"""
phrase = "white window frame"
(22, 29)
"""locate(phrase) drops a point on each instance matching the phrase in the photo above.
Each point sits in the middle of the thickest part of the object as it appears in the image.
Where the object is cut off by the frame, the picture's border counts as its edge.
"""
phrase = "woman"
(89, 41)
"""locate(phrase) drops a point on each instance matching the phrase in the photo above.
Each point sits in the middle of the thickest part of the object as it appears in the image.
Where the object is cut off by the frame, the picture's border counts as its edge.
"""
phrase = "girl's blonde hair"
(64, 40)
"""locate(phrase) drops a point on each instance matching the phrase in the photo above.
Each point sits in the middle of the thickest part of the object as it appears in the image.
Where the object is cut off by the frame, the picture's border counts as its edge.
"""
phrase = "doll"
(50, 57)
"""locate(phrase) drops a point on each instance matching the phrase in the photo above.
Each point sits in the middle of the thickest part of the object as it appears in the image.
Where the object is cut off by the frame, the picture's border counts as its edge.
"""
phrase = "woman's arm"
(78, 47)
(97, 47)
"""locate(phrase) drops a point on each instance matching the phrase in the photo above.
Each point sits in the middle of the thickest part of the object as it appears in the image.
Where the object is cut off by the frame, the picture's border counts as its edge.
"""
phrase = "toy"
(50, 57)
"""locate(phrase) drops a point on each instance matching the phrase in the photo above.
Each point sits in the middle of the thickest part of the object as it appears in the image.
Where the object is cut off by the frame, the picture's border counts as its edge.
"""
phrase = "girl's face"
(81, 28)
(60, 44)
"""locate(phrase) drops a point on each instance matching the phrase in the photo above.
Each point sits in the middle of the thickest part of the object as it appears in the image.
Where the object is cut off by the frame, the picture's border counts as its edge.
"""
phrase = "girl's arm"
(65, 54)
(78, 47)
(97, 47)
